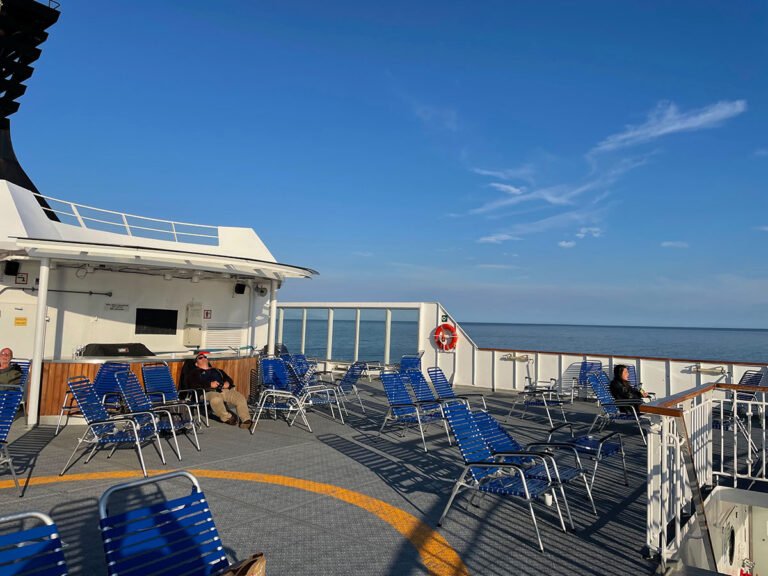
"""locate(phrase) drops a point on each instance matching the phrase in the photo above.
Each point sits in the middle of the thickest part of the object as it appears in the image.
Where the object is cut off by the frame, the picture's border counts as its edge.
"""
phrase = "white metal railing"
(129, 224)
(702, 436)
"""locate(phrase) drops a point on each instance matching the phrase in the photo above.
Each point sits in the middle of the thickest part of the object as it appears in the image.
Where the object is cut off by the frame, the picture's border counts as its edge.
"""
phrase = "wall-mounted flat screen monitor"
(156, 321)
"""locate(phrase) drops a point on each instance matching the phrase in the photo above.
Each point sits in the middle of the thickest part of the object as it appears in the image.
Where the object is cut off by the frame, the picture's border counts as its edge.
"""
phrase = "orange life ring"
(446, 337)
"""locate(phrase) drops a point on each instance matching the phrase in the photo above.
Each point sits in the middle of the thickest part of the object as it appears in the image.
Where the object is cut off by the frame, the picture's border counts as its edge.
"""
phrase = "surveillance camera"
(261, 291)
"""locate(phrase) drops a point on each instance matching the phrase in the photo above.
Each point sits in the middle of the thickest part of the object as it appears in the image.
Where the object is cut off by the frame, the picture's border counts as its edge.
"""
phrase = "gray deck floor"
(303, 532)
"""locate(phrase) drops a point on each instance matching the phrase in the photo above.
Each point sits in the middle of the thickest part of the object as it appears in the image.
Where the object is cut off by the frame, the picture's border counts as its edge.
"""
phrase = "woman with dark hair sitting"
(622, 389)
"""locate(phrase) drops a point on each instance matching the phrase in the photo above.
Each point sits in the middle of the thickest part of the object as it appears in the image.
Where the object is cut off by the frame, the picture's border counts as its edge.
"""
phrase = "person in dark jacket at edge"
(10, 374)
(220, 391)
(622, 389)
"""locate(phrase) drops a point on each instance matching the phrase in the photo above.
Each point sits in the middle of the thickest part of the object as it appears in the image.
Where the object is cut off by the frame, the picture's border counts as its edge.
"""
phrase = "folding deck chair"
(410, 362)
(483, 471)
(175, 536)
(596, 449)
(403, 409)
(105, 386)
(500, 440)
(10, 399)
(347, 384)
(161, 389)
(444, 389)
(31, 551)
(103, 429)
(581, 384)
(277, 396)
(536, 395)
(137, 401)
(610, 408)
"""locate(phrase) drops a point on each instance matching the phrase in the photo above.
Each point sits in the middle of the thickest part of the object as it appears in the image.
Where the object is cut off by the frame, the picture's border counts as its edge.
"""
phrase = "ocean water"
(719, 344)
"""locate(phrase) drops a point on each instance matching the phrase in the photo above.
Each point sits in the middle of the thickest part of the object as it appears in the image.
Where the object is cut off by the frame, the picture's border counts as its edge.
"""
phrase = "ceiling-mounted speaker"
(261, 290)
(239, 288)
(12, 268)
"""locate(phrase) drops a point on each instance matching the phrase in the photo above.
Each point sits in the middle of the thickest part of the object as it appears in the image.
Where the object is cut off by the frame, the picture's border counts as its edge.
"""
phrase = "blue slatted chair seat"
(35, 551)
(513, 486)
(9, 405)
(409, 416)
(177, 536)
(590, 445)
(348, 382)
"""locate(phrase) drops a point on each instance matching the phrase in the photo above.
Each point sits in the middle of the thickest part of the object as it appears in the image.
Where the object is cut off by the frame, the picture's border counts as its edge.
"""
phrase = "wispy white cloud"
(761, 152)
(508, 188)
(435, 117)
(498, 266)
(566, 244)
(585, 231)
(497, 238)
(762, 228)
(526, 172)
(666, 119)
(674, 244)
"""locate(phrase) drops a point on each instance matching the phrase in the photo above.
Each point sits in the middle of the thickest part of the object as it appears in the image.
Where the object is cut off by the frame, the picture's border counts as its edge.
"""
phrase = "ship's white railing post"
(356, 354)
(329, 337)
(280, 324)
(303, 330)
(387, 335)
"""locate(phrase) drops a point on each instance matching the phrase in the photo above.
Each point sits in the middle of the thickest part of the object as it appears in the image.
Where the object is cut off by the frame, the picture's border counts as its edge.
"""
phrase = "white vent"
(224, 336)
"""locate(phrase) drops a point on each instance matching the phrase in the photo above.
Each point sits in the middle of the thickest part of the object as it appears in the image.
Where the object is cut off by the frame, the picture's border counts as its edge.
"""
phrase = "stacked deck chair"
(34, 549)
(582, 384)
(105, 386)
(165, 420)
(347, 385)
(498, 473)
(176, 536)
(537, 395)
(499, 440)
(161, 389)
(404, 410)
(304, 368)
(410, 362)
(105, 430)
(594, 448)
(612, 410)
(446, 392)
(10, 399)
(278, 395)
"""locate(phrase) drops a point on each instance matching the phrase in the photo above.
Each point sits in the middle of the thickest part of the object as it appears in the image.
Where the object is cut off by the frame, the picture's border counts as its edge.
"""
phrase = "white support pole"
(303, 330)
(272, 317)
(251, 323)
(387, 334)
(357, 335)
(329, 339)
(280, 324)
(36, 372)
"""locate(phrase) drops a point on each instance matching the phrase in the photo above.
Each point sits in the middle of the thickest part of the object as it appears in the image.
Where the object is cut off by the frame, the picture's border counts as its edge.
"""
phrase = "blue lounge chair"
(485, 471)
(410, 362)
(403, 409)
(594, 448)
(32, 551)
(581, 384)
(23, 365)
(347, 384)
(105, 386)
(445, 390)
(499, 440)
(277, 395)
(612, 410)
(9, 405)
(161, 389)
(175, 536)
(138, 402)
(104, 430)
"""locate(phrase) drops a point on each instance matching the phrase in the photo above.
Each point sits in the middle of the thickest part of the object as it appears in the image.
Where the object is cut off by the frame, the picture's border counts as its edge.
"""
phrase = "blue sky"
(574, 162)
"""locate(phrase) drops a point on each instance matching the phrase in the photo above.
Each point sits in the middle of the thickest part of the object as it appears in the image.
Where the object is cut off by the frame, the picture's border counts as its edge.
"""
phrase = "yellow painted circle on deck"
(437, 555)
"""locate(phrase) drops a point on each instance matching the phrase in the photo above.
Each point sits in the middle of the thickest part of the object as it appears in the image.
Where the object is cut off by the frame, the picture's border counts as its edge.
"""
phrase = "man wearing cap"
(220, 390)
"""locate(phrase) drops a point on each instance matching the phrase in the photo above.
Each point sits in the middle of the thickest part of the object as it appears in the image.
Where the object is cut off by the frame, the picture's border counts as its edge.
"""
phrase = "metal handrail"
(75, 211)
